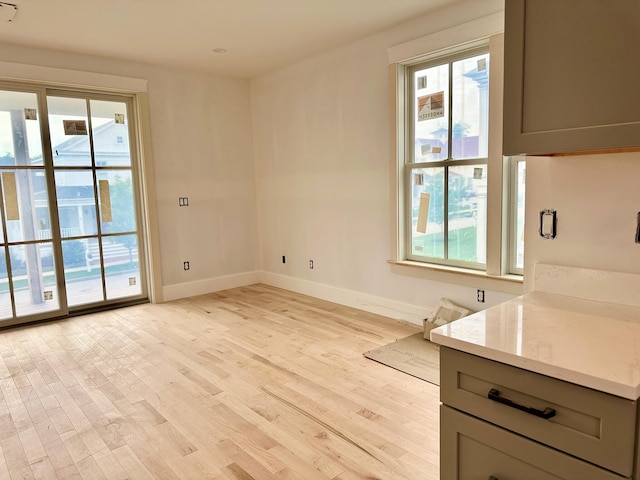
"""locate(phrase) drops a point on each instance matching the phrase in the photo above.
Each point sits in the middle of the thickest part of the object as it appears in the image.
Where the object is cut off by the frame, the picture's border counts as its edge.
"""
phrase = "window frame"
(496, 274)
(410, 165)
(514, 192)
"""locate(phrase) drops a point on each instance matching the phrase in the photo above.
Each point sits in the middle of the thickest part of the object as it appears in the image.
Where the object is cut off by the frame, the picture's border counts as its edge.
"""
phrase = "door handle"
(546, 413)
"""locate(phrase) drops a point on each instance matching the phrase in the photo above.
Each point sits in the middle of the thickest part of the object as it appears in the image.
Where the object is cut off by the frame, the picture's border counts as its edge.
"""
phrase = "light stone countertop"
(590, 343)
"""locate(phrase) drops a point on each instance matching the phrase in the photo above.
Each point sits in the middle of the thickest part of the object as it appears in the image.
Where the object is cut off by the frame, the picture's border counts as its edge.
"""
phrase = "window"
(516, 202)
(446, 159)
(459, 204)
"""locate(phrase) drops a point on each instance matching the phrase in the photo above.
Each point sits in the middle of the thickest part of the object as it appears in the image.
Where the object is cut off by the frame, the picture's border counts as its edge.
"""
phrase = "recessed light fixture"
(219, 50)
(7, 11)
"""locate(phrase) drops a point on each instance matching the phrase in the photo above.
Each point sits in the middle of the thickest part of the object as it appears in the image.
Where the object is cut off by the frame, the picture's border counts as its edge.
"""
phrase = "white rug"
(412, 355)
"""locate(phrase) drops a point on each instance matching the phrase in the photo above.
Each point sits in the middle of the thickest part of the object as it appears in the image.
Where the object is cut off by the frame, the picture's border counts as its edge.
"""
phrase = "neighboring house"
(74, 189)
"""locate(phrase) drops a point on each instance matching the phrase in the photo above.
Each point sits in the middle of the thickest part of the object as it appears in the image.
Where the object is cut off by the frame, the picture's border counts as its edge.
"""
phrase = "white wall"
(597, 199)
(320, 145)
(321, 131)
(202, 149)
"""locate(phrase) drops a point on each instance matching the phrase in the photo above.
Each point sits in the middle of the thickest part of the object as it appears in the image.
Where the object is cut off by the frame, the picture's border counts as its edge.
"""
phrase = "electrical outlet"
(480, 296)
(183, 201)
(311, 264)
(186, 265)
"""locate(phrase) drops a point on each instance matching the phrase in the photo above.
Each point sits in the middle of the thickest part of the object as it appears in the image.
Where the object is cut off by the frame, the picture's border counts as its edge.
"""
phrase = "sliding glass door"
(29, 283)
(70, 225)
(95, 198)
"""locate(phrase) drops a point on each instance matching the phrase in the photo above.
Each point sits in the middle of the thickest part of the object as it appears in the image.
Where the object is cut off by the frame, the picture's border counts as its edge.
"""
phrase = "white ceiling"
(259, 35)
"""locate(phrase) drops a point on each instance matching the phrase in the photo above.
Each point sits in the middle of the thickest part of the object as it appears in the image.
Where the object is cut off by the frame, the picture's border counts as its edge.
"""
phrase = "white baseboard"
(190, 289)
(369, 303)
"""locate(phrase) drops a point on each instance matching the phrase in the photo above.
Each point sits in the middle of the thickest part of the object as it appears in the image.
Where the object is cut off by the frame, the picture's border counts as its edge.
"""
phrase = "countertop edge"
(578, 378)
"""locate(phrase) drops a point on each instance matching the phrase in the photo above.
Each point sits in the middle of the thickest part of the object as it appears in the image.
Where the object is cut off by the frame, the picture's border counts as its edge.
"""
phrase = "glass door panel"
(26, 201)
(6, 309)
(82, 271)
(122, 266)
(20, 140)
(110, 133)
(77, 245)
(117, 204)
(76, 202)
(34, 279)
(29, 285)
(69, 131)
(96, 203)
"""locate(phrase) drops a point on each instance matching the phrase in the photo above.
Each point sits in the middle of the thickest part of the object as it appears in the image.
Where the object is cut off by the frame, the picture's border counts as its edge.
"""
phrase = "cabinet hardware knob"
(546, 413)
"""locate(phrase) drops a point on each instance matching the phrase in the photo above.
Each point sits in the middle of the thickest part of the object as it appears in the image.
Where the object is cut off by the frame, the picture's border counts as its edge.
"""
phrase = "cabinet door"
(586, 423)
(472, 449)
(571, 83)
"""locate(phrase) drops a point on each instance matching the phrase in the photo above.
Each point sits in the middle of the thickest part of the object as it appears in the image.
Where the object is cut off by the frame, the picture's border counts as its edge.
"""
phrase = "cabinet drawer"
(472, 449)
(588, 424)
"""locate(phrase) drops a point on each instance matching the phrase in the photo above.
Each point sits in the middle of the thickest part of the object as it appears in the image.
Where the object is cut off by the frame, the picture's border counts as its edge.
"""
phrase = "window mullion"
(450, 160)
(446, 213)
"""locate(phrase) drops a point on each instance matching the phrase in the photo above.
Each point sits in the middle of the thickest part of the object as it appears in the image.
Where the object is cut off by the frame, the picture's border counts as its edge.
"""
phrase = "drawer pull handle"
(546, 413)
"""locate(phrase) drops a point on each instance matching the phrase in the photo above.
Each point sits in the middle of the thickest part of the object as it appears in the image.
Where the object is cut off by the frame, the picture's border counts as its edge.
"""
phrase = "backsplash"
(600, 285)
(596, 199)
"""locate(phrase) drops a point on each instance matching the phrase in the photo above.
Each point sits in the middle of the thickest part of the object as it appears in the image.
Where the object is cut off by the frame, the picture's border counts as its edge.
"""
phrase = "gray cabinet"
(511, 423)
(472, 449)
(571, 77)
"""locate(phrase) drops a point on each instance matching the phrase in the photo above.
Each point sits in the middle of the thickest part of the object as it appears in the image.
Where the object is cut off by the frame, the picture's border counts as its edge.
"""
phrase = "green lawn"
(462, 245)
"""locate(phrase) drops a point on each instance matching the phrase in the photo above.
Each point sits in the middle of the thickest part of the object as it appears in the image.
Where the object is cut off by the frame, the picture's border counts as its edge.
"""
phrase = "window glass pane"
(69, 128)
(122, 266)
(19, 122)
(34, 278)
(518, 241)
(82, 272)
(431, 123)
(470, 108)
(26, 204)
(110, 133)
(427, 212)
(448, 117)
(467, 213)
(5, 297)
(76, 203)
(117, 207)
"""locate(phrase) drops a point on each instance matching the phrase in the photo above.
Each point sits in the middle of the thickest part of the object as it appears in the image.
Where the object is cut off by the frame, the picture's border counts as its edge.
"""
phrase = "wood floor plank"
(131, 464)
(249, 383)
(53, 444)
(32, 445)
(43, 469)
(15, 457)
(4, 469)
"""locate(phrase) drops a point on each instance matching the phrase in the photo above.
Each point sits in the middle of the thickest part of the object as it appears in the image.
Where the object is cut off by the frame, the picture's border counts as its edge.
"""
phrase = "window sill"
(511, 284)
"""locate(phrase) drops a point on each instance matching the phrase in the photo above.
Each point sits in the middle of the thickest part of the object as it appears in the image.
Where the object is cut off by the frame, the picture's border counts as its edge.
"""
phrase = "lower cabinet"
(499, 422)
(473, 449)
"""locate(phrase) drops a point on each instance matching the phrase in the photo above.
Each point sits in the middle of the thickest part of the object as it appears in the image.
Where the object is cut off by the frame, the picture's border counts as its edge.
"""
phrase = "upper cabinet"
(572, 76)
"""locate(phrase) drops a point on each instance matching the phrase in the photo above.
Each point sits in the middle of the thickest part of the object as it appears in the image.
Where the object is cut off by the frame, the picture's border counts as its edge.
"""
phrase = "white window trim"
(52, 77)
(71, 78)
(463, 37)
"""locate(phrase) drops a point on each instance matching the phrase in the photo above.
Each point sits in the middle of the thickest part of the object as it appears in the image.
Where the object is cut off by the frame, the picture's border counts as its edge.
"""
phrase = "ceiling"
(258, 36)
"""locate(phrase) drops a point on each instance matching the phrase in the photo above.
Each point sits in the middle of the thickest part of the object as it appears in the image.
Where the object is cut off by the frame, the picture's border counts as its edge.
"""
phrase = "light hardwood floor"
(249, 383)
